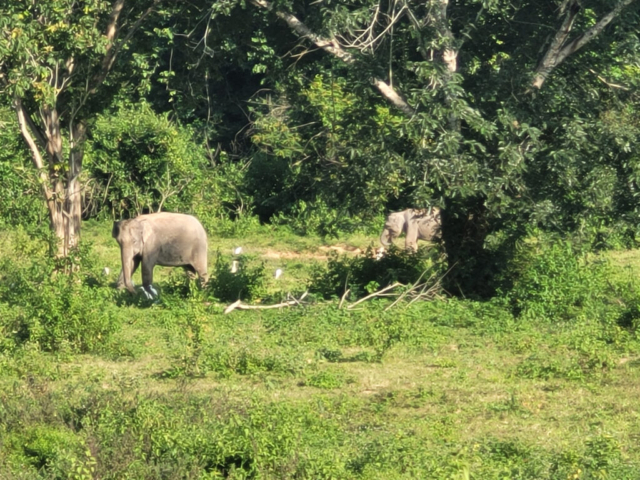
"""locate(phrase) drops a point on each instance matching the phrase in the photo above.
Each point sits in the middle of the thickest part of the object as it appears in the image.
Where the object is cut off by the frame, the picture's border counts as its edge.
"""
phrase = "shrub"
(364, 273)
(141, 162)
(219, 201)
(246, 362)
(319, 218)
(53, 310)
(245, 284)
(554, 280)
(325, 379)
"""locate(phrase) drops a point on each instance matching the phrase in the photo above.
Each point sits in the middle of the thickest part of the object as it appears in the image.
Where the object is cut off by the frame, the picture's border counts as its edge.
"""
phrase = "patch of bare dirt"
(278, 254)
(341, 249)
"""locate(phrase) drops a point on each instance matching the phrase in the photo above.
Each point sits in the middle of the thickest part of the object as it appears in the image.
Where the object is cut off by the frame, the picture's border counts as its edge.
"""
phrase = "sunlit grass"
(444, 389)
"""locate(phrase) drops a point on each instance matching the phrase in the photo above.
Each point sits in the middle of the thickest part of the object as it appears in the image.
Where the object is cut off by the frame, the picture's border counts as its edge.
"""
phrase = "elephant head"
(131, 235)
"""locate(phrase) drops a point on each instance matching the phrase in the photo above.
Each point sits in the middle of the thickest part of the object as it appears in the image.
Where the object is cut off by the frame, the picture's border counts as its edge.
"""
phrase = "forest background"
(324, 116)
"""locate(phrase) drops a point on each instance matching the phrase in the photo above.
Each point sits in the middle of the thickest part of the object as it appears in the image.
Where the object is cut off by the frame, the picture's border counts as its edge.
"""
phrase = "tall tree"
(55, 59)
(494, 94)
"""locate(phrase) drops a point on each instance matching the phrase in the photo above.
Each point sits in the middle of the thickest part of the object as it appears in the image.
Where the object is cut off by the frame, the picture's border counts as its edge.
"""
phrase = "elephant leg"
(190, 271)
(120, 281)
(136, 264)
(200, 267)
(411, 240)
(147, 279)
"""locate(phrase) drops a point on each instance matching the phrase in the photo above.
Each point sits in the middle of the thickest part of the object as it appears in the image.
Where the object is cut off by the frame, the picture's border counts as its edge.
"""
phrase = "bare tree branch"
(113, 48)
(560, 49)
(35, 129)
(36, 156)
(112, 27)
(367, 39)
(332, 46)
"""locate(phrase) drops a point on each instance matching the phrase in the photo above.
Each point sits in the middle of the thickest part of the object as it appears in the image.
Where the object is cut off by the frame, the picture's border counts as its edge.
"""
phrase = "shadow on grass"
(336, 356)
(124, 298)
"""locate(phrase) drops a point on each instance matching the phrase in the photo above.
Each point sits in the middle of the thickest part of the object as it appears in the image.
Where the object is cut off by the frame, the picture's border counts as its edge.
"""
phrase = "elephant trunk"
(385, 238)
(127, 267)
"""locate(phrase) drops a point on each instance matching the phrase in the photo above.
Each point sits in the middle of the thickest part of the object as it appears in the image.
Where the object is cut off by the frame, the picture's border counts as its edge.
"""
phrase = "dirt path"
(340, 249)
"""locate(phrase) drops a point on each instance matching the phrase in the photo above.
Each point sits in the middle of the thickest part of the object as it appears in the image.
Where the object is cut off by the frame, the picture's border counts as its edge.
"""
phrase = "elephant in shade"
(423, 224)
(167, 239)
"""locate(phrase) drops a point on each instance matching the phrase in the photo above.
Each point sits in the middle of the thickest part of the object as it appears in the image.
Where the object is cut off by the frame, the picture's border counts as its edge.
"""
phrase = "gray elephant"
(167, 239)
(416, 224)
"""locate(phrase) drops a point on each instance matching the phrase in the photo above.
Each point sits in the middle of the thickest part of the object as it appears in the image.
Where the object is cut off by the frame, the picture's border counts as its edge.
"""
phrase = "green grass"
(450, 389)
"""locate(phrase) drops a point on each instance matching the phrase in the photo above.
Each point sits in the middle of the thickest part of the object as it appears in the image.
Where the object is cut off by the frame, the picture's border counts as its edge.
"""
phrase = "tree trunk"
(60, 183)
(464, 230)
(67, 208)
(73, 199)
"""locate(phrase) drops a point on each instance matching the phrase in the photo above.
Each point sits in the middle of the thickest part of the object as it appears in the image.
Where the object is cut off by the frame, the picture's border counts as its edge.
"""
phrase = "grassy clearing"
(445, 390)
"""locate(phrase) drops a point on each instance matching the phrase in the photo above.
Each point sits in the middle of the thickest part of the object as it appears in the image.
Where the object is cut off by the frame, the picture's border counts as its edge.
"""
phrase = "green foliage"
(554, 280)
(247, 283)
(48, 447)
(143, 162)
(349, 178)
(19, 201)
(54, 311)
(226, 362)
(325, 379)
(191, 324)
(316, 217)
(219, 203)
(364, 273)
(314, 391)
(630, 316)
(36, 39)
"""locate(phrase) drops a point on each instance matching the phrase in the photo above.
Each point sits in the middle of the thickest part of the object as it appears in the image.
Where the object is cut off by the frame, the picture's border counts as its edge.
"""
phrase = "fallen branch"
(344, 296)
(375, 294)
(411, 290)
(241, 306)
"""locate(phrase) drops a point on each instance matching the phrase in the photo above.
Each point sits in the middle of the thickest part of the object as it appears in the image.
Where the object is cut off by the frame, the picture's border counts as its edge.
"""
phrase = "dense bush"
(52, 310)
(245, 284)
(121, 436)
(365, 273)
(554, 279)
(219, 203)
(314, 166)
(140, 161)
(317, 217)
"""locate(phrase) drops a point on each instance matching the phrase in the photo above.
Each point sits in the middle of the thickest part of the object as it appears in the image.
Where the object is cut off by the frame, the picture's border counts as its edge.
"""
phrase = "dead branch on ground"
(242, 306)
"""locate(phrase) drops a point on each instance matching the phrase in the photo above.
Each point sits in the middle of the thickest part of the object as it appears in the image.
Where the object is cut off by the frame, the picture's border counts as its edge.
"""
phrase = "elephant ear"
(115, 231)
(396, 222)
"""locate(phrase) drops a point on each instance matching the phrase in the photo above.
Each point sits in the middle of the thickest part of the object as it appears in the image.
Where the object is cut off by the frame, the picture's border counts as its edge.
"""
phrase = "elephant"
(417, 225)
(167, 239)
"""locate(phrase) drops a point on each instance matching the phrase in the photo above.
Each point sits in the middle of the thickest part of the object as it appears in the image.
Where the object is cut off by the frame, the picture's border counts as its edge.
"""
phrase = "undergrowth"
(446, 389)
(364, 274)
